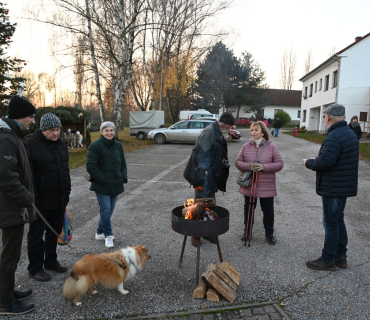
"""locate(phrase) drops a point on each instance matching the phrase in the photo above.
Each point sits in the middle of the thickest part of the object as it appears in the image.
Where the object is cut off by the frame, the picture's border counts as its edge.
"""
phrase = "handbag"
(87, 175)
(245, 178)
(66, 235)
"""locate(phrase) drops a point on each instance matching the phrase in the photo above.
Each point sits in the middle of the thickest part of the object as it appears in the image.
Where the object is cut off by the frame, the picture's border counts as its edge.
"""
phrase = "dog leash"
(50, 227)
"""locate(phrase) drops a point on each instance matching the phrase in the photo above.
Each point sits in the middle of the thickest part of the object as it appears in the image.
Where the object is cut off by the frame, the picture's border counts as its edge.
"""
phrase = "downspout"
(336, 58)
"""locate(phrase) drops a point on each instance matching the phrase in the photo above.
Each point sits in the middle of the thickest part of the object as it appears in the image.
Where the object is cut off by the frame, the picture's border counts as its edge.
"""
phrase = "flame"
(200, 188)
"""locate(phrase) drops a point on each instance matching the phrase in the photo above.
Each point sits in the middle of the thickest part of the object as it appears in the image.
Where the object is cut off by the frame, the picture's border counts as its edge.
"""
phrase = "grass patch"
(319, 138)
(77, 156)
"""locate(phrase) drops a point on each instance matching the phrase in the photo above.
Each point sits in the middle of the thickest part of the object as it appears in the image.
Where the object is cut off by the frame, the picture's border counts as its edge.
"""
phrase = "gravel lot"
(143, 215)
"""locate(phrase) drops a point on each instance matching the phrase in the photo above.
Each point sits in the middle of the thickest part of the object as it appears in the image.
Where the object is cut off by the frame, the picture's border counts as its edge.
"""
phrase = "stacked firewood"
(218, 280)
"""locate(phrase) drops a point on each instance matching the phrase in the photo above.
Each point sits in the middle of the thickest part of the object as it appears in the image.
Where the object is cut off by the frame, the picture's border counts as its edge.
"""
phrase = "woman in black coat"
(355, 126)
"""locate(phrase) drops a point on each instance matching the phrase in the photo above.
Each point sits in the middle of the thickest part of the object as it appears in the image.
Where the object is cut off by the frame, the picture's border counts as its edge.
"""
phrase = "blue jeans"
(277, 132)
(335, 229)
(107, 204)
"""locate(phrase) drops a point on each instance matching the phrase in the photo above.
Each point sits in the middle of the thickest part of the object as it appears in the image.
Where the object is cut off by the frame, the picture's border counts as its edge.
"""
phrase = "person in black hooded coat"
(50, 159)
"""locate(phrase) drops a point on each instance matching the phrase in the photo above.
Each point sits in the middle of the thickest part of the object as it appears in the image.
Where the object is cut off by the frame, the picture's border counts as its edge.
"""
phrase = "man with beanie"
(336, 169)
(16, 199)
(208, 167)
(49, 155)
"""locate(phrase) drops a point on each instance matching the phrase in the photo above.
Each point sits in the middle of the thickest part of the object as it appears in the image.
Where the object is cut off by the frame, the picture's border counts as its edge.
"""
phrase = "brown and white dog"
(108, 269)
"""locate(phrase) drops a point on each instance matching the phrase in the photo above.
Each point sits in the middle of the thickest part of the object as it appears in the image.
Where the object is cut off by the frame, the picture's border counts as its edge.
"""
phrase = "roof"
(280, 97)
(332, 57)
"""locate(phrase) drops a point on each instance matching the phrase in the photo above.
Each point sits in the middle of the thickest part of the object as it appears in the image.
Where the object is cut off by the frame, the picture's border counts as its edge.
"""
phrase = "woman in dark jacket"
(355, 126)
(106, 165)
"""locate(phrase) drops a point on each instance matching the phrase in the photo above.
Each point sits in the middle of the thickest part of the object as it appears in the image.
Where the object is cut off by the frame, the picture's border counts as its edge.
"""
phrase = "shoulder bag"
(244, 179)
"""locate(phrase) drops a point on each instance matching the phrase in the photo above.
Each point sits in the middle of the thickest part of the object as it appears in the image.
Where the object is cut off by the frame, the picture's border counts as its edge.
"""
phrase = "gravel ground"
(143, 215)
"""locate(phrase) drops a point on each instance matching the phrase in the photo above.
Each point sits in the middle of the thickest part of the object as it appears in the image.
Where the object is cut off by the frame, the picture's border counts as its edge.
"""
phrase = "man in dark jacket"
(277, 126)
(208, 168)
(49, 155)
(16, 199)
(336, 169)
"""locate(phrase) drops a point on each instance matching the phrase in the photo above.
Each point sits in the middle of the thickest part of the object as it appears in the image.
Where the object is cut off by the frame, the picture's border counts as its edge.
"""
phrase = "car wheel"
(140, 135)
(160, 138)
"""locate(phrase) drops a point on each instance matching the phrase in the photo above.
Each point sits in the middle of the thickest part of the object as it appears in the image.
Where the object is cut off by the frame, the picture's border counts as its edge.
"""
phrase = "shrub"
(303, 129)
(283, 116)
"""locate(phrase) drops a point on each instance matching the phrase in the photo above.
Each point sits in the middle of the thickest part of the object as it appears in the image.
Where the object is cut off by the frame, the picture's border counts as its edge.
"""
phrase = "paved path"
(269, 273)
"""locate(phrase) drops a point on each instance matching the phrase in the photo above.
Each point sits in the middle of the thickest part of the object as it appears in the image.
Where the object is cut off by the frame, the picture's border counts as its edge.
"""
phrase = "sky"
(265, 28)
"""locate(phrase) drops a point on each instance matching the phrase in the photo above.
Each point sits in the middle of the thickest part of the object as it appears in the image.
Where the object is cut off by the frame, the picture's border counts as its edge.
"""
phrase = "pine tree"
(10, 68)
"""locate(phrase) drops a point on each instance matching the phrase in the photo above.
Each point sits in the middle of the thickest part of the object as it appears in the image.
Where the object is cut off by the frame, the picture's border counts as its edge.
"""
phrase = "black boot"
(270, 239)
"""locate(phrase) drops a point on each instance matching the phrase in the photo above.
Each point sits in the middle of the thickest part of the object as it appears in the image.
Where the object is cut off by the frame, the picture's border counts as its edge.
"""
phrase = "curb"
(211, 310)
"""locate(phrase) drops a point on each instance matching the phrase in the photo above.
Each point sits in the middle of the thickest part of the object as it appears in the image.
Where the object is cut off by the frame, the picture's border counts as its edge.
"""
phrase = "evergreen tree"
(10, 68)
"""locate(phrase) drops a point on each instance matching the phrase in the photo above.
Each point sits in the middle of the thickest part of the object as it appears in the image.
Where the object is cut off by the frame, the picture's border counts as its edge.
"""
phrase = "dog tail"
(74, 286)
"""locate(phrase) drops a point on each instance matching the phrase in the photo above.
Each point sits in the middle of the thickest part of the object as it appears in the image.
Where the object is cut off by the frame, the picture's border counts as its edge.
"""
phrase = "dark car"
(243, 122)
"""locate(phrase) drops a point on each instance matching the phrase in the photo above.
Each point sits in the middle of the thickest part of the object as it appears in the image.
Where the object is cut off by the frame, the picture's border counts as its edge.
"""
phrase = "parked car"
(235, 135)
(183, 131)
(243, 121)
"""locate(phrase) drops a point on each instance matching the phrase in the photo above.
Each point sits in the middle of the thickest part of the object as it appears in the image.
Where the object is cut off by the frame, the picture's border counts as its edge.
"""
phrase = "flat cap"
(336, 110)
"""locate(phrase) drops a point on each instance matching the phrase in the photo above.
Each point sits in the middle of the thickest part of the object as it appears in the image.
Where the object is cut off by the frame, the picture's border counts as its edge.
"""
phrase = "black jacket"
(336, 165)
(16, 178)
(205, 167)
(50, 167)
(277, 124)
(357, 130)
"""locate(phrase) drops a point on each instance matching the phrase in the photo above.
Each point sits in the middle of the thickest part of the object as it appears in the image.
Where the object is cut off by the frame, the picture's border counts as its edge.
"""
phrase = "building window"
(304, 116)
(320, 86)
(335, 78)
(305, 93)
(299, 114)
(326, 83)
(315, 86)
(311, 89)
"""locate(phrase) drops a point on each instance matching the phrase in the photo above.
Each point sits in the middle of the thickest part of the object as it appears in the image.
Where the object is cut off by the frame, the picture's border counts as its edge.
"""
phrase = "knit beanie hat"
(227, 118)
(19, 108)
(48, 121)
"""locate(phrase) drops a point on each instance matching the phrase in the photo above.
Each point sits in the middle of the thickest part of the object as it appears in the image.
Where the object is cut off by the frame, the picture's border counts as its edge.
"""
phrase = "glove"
(260, 167)
(253, 166)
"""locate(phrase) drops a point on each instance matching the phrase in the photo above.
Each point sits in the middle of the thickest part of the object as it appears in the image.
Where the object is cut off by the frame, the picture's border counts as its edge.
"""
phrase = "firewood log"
(213, 295)
(200, 290)
(228, 269)
(196, 211)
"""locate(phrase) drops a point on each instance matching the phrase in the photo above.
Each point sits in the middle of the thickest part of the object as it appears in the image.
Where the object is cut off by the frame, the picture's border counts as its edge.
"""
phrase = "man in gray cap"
(336, 169)
(50, 158)
(16, 198)
(208, 167)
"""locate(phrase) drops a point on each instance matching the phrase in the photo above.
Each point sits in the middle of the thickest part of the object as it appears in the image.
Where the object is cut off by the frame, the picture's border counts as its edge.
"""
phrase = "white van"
(203, 115)
(185, 115)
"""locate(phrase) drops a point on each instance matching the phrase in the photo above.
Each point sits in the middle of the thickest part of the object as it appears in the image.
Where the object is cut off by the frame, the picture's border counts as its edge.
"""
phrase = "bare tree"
(287, 69)
(78, 53)
(332, 51)
(308, 63)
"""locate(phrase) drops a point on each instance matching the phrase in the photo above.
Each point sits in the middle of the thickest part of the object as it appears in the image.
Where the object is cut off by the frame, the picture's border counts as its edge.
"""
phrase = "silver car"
(183, 131)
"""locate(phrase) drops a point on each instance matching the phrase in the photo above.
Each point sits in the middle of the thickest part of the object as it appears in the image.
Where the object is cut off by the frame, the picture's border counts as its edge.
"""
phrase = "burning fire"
(200, 188)
(196, 209)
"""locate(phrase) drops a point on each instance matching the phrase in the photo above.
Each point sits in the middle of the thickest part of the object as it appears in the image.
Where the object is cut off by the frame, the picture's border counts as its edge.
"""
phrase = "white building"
(275, 100)
(345, 79)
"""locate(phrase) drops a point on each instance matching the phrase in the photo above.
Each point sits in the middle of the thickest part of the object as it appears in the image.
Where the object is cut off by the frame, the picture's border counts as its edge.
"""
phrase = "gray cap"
(336, 110)
(48, 121)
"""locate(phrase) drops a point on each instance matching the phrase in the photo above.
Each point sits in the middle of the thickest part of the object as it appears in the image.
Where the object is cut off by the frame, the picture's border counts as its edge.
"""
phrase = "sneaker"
(17, 308)
(21, 295)
(318, 264)
(109, 242)
(42, 276)
(341, 262)
(99, 236)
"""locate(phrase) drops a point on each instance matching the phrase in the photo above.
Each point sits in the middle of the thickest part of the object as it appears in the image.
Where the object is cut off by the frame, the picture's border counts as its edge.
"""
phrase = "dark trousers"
(267, 207)
(44, 253)
(336, 238)
(10, 255)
